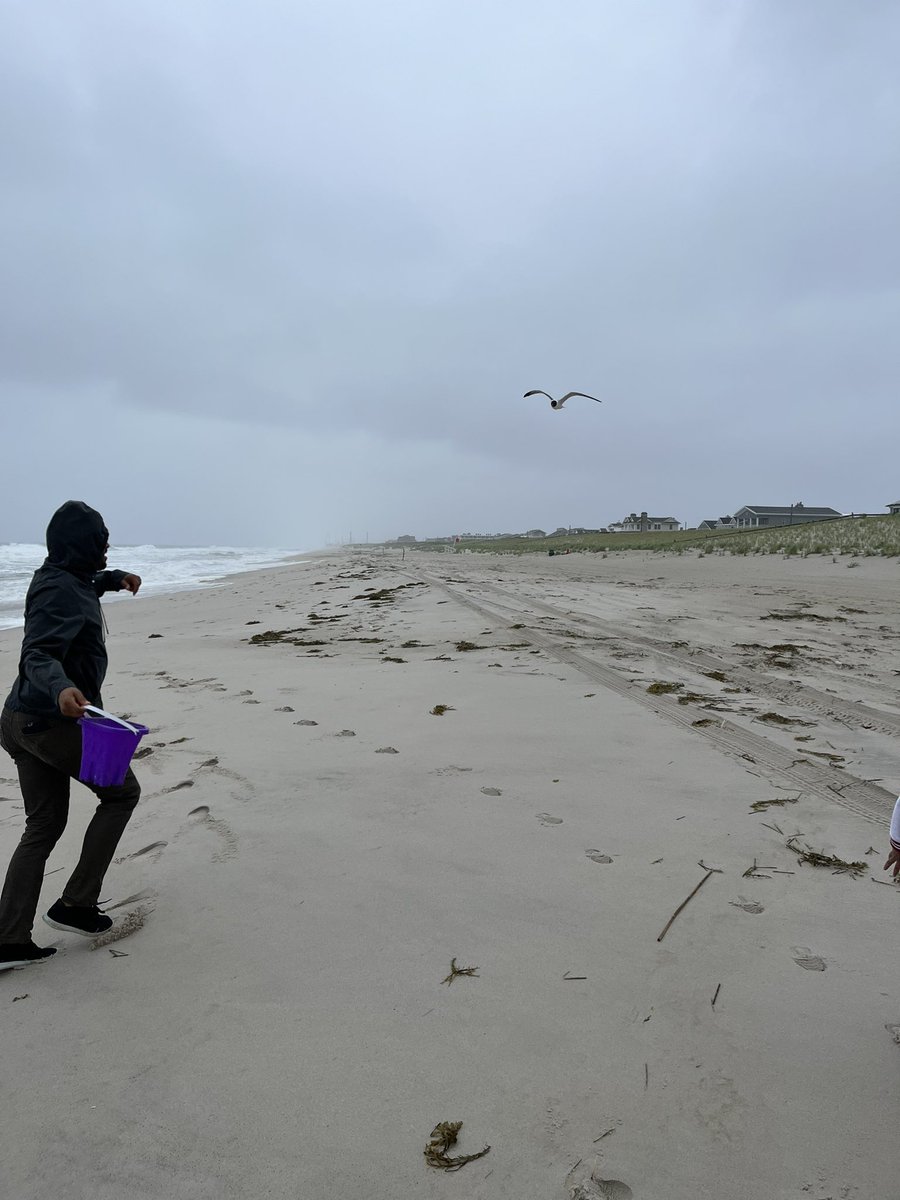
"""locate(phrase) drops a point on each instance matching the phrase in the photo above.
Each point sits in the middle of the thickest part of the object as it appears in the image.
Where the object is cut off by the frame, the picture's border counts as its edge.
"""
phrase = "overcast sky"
(274, 272)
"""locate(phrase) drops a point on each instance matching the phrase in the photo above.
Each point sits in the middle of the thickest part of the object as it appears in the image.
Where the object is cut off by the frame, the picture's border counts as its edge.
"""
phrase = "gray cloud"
(358, 233)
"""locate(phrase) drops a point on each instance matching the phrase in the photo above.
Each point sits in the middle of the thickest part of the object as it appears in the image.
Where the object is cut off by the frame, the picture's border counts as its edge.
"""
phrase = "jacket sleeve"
(895, 826)
(108, 581)
(54, 620)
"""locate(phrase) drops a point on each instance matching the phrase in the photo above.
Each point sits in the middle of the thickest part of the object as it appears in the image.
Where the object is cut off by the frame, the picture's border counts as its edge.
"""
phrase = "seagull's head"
(554, 404)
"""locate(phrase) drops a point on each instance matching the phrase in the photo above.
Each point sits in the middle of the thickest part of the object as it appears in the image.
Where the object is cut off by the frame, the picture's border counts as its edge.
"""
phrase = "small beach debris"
(567, 976)
(456, 971)
(463, 646)
(443, 1136)
(440, 709)
(715, 870)
(774, 718)
(683, 905)
(759, 806)
(716, 995)
(753, 872)
(24, 996)
(118, 953)
(814, 858)
(704, 722)
(662, 688)
(143, 752)
(646, 1076)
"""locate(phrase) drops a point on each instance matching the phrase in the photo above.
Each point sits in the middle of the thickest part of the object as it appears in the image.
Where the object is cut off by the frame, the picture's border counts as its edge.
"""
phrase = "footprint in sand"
(749, 906)
(155, 848)
(251, 702)
(386, 750)
(346, 733)
(894, 1031)
(228, 846)
(598, 856)
(146, 894)
(306, 722)
(805, 958)
(284, 708)
(177, 787)
(490, 791)
(546, 819)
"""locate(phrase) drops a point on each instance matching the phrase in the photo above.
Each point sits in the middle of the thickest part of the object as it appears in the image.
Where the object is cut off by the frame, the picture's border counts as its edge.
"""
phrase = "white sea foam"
(162, 568)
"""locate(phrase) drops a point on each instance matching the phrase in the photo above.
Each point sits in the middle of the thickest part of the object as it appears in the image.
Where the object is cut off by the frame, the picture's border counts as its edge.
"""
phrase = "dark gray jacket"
(64, 643)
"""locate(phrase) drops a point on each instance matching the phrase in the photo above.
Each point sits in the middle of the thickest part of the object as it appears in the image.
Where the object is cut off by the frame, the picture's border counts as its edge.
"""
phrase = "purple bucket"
(106, 750)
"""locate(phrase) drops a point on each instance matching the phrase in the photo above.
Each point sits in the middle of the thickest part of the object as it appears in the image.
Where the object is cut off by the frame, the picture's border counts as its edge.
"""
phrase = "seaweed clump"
(443, 1136)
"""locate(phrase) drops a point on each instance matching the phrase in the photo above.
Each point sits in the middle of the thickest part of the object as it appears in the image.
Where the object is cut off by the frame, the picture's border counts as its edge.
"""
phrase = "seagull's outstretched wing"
(537, 392)
(569, 395)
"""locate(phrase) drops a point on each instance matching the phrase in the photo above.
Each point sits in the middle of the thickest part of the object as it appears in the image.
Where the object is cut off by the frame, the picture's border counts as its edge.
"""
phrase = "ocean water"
(162, 569)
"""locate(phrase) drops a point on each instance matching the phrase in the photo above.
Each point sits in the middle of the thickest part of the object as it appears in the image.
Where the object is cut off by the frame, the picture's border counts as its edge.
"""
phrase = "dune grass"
(862, 537)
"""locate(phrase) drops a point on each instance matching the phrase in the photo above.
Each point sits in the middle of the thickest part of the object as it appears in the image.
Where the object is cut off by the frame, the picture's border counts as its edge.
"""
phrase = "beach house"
(753, 516)
(894, 509)
(644, 524)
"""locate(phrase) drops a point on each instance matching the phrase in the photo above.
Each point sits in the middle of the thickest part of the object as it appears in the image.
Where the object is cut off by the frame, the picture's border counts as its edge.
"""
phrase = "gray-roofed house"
(894, 509)
(769, 515)
(717, 523)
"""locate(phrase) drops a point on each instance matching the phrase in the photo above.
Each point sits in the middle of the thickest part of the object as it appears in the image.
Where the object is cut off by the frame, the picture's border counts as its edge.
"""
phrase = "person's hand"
(71, 702)
(131, 583)
(893, 860)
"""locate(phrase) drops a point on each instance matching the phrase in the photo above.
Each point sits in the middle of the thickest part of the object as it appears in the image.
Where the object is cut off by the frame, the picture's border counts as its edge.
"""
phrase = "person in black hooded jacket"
(61, 670)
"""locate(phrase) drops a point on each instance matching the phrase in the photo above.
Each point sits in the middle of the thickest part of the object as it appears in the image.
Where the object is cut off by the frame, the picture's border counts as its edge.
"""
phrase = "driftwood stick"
(684, 904)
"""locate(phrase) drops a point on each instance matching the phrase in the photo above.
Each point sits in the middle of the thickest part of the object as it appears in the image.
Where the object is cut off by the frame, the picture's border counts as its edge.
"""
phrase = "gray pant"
(47, 755)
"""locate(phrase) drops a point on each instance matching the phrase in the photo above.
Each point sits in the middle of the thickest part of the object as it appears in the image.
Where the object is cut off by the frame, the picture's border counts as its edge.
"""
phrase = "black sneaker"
(22, 954)
(87, 920)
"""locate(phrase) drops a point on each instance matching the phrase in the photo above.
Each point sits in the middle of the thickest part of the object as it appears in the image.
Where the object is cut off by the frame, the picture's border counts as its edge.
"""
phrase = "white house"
(644, 524)
(894, 509)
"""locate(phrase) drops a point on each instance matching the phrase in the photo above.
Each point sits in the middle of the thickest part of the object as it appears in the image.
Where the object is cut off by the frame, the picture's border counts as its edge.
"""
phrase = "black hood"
(77, 539)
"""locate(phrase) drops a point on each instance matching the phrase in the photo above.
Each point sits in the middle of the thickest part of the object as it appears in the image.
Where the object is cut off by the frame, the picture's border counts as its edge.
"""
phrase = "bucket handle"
(101, 712)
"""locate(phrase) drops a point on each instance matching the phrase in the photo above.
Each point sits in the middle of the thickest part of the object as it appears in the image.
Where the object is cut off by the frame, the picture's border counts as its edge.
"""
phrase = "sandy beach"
(315, 845)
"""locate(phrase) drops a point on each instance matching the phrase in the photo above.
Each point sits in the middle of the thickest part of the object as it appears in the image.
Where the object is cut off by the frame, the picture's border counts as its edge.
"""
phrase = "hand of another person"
(131, 583)
(893, 860)
(71, 702)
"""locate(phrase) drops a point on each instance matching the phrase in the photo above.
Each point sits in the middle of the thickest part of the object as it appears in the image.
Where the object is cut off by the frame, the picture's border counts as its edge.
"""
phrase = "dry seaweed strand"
(709, 874)
(456, 971)
(759, 806)
(815, 859)
(443, 1136)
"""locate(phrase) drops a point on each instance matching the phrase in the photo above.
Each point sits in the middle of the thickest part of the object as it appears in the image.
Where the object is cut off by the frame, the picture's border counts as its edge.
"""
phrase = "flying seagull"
(557, 404)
